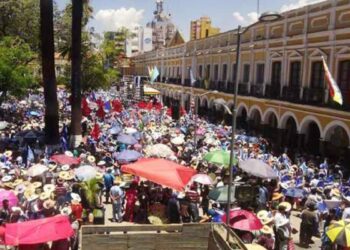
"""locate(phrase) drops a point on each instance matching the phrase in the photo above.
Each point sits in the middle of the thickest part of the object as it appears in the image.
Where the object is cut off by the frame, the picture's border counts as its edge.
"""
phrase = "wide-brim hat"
(101, 163)
(262, 214)
(75, 198)
(66, 211)
(32, 197)
(37, 184)
(69, 153)
(49, 204)
(17, 182)
(65, 167)
(9, 185)
(48, 188)
(44, 196)
(277, 196)
(8, 153)
(6, 178)
(266, 230)
(266, 220)
(52, 165)
(286, 205)
(99, 176)
(91, 159)
(21, 188)
(65, 175)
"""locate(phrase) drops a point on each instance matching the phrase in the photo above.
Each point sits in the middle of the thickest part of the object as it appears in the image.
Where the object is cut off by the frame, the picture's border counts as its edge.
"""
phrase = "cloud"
(248, 19)
(298, 4)
(113, 19)
(238, 17)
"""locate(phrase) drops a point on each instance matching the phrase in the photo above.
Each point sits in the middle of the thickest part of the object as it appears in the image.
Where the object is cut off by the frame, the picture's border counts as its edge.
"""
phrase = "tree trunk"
(52, 137)
(77, 13)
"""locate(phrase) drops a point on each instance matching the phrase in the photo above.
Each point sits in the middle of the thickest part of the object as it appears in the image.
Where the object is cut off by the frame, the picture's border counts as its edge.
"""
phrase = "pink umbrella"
(8, 195)
(203, 179)
(65, 159)
(243, 220)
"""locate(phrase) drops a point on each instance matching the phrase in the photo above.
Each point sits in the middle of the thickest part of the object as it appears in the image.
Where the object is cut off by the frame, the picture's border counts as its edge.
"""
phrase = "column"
(183, 71)
(301, 138)
(322, 146)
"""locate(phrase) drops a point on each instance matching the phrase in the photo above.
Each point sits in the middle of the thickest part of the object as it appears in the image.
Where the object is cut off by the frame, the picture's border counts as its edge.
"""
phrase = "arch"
(204, 100)
(211, 103)
(283, 120)
(253, 108)
(306, 122)
(267, 114)
(331, 126)
(241, 106)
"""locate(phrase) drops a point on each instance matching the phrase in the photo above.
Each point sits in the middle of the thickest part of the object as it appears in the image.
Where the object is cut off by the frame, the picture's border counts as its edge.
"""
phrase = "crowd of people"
(38, 182)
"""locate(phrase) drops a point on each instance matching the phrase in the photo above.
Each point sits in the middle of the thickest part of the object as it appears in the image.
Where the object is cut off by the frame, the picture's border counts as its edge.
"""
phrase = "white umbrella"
(203, 179)
(258, 168)
(3, 125)
(37, 170)
(85, 173)
(178, 140)
(159, 150)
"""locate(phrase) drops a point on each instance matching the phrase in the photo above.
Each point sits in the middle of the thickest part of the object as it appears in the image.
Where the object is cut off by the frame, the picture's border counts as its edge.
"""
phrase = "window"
(344, 75)
(246, 72)
(260, 71)
(216, 72)
(234, 75)
(173, 72)
(207, 73)
(295, 74)
(276, 73)
(317, 75)
(200, 71)
(178, 72)
(206, 33)
(224, 72)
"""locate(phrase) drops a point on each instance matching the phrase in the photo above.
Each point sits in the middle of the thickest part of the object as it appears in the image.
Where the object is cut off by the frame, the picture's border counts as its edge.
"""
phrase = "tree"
(77, 14)
(48, 69)
(16, 75)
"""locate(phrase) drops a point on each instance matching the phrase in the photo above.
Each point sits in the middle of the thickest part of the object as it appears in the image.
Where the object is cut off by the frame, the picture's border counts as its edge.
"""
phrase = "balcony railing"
(257, 90)
(291, 93)
(313, 95)
(243, 89)
(272, 91)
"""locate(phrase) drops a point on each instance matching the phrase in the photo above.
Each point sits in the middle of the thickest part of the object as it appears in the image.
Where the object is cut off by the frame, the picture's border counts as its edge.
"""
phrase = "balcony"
(243, 89)
(313, 95)
(257, 90)
(291, 93)
(188, 82)
(272, 91)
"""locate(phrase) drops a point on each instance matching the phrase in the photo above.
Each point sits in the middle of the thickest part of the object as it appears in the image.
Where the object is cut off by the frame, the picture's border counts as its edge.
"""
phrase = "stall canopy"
(150, 91)
(160, 171)
(38, 231)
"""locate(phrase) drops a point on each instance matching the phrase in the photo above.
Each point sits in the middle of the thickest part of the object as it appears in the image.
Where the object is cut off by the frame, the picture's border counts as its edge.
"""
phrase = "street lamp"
(196, 114)
(265, 17)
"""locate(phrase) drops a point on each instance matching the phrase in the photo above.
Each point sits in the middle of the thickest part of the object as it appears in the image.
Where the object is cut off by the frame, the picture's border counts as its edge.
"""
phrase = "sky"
(109, 15)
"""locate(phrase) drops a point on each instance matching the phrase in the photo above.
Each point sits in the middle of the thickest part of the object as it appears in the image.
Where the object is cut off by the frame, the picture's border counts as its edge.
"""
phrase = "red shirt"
(77, 210)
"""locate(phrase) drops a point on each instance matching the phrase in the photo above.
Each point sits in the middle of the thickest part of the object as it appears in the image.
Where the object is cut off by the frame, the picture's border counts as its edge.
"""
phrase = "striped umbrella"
(339, 233)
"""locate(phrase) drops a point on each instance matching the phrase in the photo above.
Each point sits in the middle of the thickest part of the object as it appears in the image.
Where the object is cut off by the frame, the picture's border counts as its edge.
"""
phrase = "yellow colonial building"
(282, 90)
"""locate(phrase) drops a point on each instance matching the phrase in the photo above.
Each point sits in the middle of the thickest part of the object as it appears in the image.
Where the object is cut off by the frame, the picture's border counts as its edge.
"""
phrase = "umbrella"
(85, 173)
(177, 140)
(128, 156)
(202, 179)
(339, 233)
(159, 150)
(219, 157)
(8, 195)
(65, 159)
(126, 139)
(212, 141)
(31, 135)
(130, 131)
(243, 220)
(295, 193)
(37, 170)
(115, 130)
(258, 168)
(3, 125)
(220, 194)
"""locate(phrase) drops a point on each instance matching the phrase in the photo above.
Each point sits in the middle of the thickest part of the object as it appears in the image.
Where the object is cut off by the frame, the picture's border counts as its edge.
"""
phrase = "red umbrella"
(95, 133)
(160, 171)
(243, 220)
(65, 159)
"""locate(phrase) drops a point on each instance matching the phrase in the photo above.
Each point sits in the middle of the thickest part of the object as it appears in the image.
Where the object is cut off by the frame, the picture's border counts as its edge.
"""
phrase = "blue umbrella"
(295, 193)
(34, 113)
(137, 135)
(126, 139)
(128, 156)
(115, 130)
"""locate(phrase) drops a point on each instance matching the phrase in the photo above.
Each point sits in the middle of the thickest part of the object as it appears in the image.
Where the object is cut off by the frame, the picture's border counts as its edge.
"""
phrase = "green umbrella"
(219, 157)
(220, 194)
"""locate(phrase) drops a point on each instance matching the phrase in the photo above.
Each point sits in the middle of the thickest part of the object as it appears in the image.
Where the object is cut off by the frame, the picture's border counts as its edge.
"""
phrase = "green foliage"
(91, 189)
(15, 73)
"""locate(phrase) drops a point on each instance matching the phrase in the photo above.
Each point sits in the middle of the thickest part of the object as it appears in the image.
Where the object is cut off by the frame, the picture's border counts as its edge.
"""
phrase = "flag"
(117, 106)
(154, 74)
(95, 133)
(85, 107)
(108, 106)
(100, 112)
(193, 79)
(334, 90)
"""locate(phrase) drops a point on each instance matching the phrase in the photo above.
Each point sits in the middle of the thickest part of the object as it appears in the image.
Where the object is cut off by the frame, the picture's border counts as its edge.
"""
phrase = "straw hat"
(262, 214)
(99, 176)
(33, 197)
(49, 204)
(44, 196)
(65, 167)
(66, 211)
(6, 178)
(266, 230)
(9, 185)
(17, 182)
(20, 188)
(276, 196)
(287, 205)
(266, 220)
(69, 153)
(37, 184)
(52, 165)
(101, 163)
(65, 175)
(8, 153)
(91, 159)
(75, 198)
(48, 188)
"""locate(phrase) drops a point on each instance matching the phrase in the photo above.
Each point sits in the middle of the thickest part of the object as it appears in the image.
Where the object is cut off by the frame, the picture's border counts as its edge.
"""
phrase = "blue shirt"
(108, 180)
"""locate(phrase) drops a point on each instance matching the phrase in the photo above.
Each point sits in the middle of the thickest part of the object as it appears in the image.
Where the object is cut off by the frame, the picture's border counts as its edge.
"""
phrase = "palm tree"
(48, 68)
(77, 15)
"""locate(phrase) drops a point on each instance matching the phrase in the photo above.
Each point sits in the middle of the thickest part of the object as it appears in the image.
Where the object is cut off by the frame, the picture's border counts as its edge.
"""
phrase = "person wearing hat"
(308, 225)
(108, 179)
(76, 207)
(266, 239)
(5, 211)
